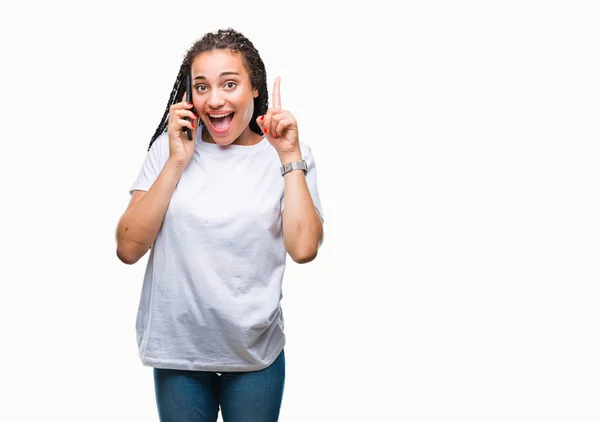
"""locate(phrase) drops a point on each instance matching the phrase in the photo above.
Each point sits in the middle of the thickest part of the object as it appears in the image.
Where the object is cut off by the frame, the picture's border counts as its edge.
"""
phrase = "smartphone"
(188, 93)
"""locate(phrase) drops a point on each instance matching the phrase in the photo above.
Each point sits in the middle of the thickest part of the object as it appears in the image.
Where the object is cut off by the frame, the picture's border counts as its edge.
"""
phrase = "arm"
(302, 226)
(138, 227)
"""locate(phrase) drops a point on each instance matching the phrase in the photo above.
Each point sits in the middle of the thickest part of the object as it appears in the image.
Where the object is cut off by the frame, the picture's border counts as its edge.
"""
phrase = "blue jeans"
(186, 396)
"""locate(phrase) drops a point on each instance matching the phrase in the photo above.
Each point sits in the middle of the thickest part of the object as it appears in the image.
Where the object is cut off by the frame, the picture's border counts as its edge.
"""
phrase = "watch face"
(296, 165)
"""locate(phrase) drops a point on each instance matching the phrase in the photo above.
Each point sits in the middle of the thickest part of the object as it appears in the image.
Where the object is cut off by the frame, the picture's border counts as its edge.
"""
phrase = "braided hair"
(224, 39)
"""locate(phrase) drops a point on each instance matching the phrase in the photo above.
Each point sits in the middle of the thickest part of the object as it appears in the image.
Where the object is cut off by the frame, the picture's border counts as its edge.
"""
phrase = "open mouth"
(221, 122)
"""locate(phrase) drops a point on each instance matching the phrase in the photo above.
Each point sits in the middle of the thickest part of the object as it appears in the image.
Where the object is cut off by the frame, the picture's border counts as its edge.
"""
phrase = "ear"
(255, 93)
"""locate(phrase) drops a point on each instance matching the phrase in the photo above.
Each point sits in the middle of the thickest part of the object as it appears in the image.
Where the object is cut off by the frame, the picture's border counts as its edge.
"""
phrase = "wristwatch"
(294, 165)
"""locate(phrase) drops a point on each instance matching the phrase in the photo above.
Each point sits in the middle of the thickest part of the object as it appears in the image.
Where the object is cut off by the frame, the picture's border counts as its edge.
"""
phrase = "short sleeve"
(153, 164)
(311, 179)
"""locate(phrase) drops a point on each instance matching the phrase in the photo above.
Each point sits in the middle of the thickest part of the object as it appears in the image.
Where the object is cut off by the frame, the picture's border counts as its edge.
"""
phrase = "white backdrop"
(457, 153)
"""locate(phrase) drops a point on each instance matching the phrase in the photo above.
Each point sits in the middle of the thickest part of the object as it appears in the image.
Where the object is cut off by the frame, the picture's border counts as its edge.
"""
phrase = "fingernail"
(266, 130)
(195, 117)
(262, 118)
(193, 127)
(190, 104)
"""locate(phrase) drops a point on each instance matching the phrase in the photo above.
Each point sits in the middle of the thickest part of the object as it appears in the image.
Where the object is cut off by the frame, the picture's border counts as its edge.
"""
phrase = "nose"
(216, 99)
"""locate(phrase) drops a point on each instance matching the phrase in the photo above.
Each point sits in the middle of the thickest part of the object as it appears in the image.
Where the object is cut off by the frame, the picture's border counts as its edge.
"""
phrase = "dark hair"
(224, 39)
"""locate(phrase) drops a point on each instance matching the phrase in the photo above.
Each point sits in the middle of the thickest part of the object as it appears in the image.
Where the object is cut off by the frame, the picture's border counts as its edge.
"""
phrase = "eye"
(200, 88)
(230, 84)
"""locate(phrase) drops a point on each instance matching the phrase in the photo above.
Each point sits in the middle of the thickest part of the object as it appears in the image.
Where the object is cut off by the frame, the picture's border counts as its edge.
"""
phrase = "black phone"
(188, 93)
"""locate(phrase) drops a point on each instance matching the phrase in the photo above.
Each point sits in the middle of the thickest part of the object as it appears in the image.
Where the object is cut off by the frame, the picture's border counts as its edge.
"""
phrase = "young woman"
(219, 212)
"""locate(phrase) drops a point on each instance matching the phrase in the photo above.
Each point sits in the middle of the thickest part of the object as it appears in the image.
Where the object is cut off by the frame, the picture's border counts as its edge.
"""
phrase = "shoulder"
(307, 153)
(159, 150)
(305, 148)
(160, 143)
(271, 154)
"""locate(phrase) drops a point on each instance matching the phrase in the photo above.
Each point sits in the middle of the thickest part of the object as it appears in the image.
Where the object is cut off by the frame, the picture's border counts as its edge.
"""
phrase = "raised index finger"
(276, 95)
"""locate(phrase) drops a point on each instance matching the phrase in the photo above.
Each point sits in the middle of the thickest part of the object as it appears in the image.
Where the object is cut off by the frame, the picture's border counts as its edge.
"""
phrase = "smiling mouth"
(221, 122)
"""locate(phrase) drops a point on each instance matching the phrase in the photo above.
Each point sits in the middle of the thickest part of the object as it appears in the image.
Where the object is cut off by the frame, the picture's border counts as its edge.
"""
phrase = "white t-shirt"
(212, 287)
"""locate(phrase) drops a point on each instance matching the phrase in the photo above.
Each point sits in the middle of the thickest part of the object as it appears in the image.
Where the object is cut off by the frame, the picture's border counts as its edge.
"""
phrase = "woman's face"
(223, 96)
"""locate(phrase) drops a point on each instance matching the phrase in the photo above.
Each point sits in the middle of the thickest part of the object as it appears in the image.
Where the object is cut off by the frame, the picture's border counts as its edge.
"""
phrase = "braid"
(224, 39)
(175, 93)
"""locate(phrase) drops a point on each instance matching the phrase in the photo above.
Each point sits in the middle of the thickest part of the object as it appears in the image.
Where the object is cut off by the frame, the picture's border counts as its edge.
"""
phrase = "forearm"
(140, 224)
(302, 226)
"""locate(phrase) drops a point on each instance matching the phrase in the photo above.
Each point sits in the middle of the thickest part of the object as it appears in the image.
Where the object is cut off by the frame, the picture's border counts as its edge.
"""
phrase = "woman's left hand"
(280, 126)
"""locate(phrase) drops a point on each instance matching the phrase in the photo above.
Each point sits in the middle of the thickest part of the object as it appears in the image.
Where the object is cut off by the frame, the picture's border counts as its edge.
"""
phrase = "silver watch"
(294, 165)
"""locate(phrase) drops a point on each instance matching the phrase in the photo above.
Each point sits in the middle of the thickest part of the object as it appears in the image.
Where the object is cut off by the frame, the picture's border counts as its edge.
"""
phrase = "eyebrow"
(222, 74)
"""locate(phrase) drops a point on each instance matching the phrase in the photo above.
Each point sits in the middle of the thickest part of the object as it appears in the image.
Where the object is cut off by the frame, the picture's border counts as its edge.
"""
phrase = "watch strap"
(294, 165)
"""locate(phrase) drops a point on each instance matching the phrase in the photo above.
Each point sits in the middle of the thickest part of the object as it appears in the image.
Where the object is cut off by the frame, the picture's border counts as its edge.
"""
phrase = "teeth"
(217, 116)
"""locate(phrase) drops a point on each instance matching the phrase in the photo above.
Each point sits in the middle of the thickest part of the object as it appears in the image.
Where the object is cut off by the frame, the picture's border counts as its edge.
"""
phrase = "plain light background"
(457, 153)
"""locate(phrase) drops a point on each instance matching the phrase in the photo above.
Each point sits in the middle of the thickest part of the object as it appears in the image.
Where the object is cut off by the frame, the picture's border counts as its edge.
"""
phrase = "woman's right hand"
(181, 148)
